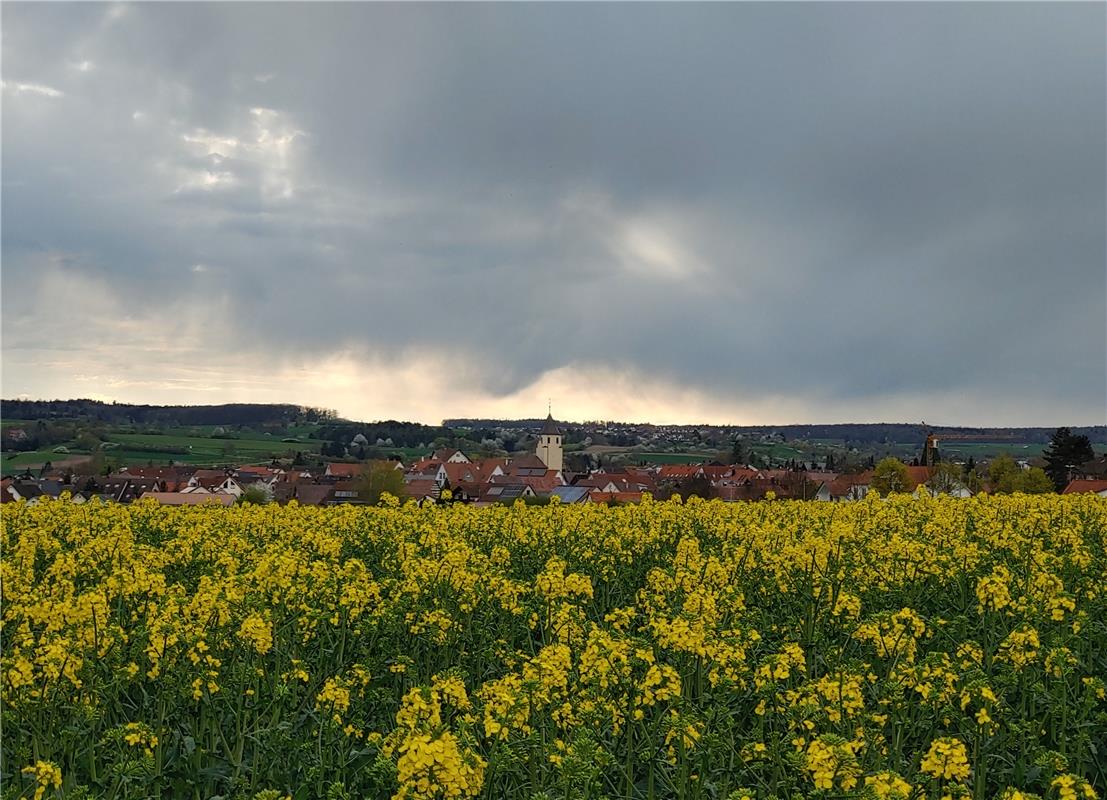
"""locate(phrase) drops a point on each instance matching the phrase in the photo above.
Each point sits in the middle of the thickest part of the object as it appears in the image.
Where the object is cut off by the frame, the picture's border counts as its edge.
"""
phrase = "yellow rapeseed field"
(899, 648)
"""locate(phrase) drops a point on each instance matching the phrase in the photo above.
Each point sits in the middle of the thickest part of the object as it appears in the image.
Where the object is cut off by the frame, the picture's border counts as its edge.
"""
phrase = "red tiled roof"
(345, 470)
(462, 473)
(529, 461)
(1079, 486)
(539, 484)
(211, 482)
(597, 481)
(632, 480)
(312, 494)
(488, 465)
(419, 489)
(618, 497)
(257, 470)
(678, 470)
(917, 475)
(424, 466)
(843, 484)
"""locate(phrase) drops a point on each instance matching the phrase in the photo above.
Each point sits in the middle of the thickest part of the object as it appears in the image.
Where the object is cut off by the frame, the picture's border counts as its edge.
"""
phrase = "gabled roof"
(297, 475)
(616, 497)
(122, 487)
(1096, 468)
(844, 485)
(52, 488)
(621, 481)
(25, 489)
(174, 477)
(312, 494)
(1079, 486)
(571, 494)
(418, 489)
(595, 481)
(505, 492)
(424, 466)
(461, 472)
(917, 475)
(528, 461)
(262, 472)
(487, 466)
(337, 470)
(542, 482)
(679, 471)
(213, 481)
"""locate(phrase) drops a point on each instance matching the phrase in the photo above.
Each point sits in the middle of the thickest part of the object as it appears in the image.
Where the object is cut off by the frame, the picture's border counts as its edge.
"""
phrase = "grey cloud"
(838, 201)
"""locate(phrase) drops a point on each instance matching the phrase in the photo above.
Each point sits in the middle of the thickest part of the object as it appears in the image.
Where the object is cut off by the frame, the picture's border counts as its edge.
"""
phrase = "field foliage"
(924, 648)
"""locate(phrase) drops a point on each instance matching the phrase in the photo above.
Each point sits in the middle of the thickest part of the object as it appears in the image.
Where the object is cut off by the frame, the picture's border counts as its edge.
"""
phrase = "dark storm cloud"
(838, 202)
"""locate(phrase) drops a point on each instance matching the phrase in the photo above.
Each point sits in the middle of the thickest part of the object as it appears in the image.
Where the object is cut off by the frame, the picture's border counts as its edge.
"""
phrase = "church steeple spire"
(549, 444)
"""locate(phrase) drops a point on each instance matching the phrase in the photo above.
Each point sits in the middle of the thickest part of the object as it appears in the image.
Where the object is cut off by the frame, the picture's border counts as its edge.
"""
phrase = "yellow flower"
(832, 761)
(1073, 787)
(889, 786)
(45, 775)
(255, 630)
(946, 759)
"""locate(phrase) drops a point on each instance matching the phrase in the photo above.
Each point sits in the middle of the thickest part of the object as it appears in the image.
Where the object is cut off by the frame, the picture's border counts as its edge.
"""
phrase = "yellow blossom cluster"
(1073, 787)
(832, 762)
(946, 759)
(45, 775)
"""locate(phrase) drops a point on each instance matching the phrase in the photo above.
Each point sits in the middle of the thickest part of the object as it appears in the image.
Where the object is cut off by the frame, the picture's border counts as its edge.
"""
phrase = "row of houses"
(451, 475)
(479, 483)
(181, 486)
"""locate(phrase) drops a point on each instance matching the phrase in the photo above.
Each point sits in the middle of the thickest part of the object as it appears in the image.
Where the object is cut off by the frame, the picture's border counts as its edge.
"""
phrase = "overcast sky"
(721, 213)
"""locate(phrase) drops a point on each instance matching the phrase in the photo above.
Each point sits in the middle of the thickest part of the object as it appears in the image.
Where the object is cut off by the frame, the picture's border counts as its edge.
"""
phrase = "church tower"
(549, 445)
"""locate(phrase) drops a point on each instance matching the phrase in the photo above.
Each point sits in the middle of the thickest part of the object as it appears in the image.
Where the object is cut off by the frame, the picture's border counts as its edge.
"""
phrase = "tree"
(380, 477)
(1036, 481)
(737, 452)
(1007, 477)
(87, 441)
(1003, 475)
(946, 478)
(974, 481)
(890, 476)
(254, 495)
(1065, 454)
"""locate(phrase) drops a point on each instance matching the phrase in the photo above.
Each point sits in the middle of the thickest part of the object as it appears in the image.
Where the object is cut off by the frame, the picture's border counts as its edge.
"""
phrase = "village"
(449, 475)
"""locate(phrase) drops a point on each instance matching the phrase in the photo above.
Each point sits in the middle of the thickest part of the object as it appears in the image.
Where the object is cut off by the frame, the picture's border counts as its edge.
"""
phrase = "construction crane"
(930, 449)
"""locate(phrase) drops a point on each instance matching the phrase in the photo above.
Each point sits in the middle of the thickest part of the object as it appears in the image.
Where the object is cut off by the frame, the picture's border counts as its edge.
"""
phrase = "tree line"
(251, 414)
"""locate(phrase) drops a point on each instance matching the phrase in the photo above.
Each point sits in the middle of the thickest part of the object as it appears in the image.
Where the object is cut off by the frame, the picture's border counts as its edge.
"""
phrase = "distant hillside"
(853, 433)
(128, 414)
